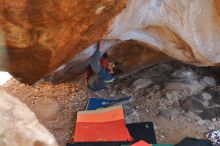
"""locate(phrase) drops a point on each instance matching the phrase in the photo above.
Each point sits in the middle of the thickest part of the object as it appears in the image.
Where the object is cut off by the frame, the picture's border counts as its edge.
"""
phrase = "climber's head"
(111, 66)
(107, 64)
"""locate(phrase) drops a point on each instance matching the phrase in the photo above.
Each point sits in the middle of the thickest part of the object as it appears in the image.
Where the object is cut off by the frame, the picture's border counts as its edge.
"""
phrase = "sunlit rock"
(19, 125)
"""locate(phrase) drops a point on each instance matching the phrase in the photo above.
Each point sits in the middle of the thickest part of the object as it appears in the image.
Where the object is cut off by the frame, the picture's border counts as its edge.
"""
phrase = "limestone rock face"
(40, 36)
(185, 30)
(19, 125)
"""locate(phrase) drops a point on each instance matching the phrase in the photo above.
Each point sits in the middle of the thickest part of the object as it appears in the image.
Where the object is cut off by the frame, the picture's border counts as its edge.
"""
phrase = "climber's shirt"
(101, 77)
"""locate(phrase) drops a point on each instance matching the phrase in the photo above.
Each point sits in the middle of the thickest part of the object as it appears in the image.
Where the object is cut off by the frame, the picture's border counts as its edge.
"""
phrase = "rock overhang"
(184, 30)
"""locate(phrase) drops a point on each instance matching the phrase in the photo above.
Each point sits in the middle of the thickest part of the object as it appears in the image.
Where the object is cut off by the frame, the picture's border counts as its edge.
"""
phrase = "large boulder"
(19, 125)
(46, 36)
(188, 31)
(38, 36)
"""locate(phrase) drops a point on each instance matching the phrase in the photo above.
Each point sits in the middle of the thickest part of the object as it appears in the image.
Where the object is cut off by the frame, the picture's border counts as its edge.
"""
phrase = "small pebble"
(200, 122)
(211, 127)
(137, 107)
(172, 118)
(162, 136)
(214, 119)
(123, 92)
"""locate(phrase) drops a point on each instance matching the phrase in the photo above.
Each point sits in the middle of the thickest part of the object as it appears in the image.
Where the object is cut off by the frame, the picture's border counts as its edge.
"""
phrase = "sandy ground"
(56, 105)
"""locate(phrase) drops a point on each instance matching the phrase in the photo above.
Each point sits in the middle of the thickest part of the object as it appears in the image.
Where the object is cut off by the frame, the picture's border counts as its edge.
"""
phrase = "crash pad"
(99, 103)
(139, 131)
(141, 143)
(96, 144)
(106, 125)
(142, 131)
(162, 145)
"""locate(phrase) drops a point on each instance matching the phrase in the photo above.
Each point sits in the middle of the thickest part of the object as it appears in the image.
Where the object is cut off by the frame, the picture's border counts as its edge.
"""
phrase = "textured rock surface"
(186, 30)
(19, 125)
(42, 35)
(130, 55)
(133, 56)
(38, 36)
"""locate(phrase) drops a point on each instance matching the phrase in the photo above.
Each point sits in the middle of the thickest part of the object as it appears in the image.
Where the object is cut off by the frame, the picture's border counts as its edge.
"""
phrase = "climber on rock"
(103, 70)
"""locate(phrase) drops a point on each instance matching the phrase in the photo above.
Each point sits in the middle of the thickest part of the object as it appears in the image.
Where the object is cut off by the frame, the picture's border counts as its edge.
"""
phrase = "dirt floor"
(181, 100)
